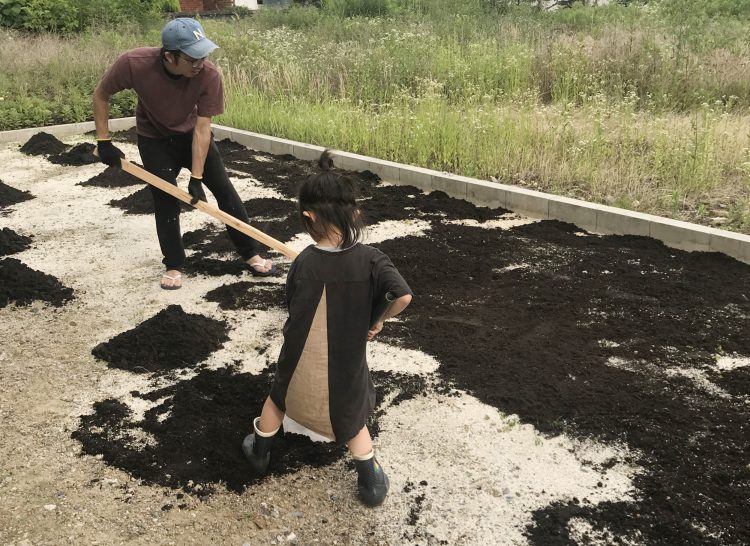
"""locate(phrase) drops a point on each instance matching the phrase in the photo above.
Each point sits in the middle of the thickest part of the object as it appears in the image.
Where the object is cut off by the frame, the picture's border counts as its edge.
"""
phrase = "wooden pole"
(220, 215)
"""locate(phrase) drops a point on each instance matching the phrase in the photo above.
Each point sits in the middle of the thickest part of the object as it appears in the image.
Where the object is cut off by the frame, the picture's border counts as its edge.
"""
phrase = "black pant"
(164, 157)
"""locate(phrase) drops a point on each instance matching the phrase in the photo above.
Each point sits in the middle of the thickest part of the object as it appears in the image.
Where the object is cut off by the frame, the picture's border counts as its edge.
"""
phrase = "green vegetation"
(644, 106)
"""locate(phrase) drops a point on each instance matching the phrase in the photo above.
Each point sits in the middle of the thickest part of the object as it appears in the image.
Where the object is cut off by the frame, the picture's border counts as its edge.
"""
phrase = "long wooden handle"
(220, 215)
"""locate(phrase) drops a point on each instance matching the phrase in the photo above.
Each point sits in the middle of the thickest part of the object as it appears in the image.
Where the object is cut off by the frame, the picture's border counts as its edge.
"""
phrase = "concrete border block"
(388, 171)
(307, 152)
(416, 176)
(68, 129)
(736, 245)
(611, 220)
(574, 211)
(681, 235)
(487, 194)
(250, 140)
(280, 146)
(452, 184)
(528, 202)
(349, 161)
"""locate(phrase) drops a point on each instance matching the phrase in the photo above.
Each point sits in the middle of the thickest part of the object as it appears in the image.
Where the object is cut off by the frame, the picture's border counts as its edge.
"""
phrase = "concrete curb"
(69, 129)
(589, 216)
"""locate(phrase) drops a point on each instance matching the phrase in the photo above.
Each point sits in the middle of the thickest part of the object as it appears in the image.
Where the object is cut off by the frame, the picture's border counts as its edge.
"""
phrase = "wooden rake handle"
(220, 215)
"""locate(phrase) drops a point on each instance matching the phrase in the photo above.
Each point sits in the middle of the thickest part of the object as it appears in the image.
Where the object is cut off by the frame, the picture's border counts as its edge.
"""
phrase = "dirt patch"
(585, 304)
(22, 285)
(11, 242)
(169, 340)
(10, 196)
(169, 446)
(139, 202)
(249, 295)
(43, 144)
(112, 177)
(78, 155)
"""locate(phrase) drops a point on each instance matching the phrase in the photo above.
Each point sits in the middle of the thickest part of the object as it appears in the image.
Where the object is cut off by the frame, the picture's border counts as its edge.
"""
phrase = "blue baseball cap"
(186, 35)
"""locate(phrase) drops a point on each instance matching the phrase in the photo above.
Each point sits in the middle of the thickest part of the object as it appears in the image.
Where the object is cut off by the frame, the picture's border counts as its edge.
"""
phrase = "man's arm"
(201, 142)
(108, 152)
(101, 112)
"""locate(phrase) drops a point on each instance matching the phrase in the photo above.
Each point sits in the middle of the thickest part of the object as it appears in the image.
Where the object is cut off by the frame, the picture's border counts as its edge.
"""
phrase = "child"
(322, 380)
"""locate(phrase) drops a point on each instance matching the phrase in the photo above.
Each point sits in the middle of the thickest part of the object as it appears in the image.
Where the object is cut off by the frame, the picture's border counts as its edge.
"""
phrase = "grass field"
(626, 106)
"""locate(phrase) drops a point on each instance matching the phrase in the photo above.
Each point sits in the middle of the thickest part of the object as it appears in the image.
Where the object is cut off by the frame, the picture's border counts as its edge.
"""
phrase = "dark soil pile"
(139, 202)
(536, 341)
(11, 196)
(22, 285)
(171, 339)
(249, 295)
(80, 154)
(43, 144)
(112, 177)
(198, 429)
(130, 136)
(11, 242)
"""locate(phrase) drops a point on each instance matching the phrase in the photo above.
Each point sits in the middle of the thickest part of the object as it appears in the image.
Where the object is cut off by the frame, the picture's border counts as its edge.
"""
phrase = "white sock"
(260, 433)
(365, 457)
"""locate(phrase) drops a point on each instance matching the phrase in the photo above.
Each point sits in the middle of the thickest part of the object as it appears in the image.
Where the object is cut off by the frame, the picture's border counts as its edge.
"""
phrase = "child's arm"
(399, 304)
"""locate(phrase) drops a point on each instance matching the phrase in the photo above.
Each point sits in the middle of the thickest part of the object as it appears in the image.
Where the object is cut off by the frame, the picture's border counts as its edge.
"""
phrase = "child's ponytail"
(332, 198)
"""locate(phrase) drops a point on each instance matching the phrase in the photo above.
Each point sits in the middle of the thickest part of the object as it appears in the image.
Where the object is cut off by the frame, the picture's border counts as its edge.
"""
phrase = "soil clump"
(169, 340)
(139, 202)
(78, 155)
(112, 177)
(10, 196)
(11, 242)
(22, 285)
(248, 295)
(43, 144)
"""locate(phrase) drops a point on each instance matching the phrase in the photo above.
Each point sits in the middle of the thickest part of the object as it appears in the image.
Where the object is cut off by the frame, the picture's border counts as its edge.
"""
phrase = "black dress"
(322, 381)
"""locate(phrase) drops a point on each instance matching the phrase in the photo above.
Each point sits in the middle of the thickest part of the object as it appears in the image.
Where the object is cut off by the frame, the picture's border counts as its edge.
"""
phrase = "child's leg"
(361, 444)
(270, 418)
(257, 445)
(372, 482)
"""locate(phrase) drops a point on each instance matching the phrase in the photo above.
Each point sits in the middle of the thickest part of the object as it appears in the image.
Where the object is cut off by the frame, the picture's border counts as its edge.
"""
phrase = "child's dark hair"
(332, 198)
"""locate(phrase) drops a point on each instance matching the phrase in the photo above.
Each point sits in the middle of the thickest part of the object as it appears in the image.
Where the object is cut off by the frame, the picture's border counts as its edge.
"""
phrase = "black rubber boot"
(372, 482)
(257, 449)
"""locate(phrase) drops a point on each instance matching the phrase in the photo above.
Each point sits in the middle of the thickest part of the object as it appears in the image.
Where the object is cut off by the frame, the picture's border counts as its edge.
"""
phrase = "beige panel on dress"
(307, 394)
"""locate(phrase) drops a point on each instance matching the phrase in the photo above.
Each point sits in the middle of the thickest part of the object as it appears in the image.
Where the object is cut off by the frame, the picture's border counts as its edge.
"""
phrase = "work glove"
(196, 190)
(109, 153)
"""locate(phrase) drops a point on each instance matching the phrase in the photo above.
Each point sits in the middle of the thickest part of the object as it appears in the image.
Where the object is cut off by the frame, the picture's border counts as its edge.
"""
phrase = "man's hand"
(109, 153)
(196, 190)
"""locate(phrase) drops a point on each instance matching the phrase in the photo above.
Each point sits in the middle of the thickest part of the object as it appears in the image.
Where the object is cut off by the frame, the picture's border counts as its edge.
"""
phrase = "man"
(178, 93)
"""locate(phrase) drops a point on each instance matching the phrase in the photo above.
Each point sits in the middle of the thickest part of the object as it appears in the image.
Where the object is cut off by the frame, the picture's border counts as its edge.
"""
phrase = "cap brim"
(200, 49)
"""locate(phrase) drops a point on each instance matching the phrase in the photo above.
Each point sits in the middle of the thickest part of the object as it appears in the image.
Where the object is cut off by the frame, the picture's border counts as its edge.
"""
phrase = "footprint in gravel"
(171, 339)
(191, 435)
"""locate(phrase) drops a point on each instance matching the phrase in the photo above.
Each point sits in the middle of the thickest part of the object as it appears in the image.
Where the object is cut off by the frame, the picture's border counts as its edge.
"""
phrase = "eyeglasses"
(195, 63)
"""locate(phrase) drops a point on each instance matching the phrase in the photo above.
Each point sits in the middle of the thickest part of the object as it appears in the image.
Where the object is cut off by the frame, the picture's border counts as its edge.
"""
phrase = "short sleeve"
(211, 99)
(386, 277)
(290, 277)
(118, 76)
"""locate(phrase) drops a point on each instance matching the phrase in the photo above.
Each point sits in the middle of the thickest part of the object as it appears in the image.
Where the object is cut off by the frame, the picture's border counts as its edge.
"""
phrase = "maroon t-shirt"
(166, 106)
